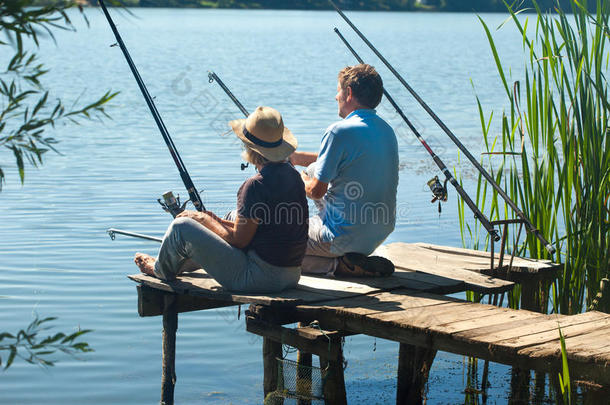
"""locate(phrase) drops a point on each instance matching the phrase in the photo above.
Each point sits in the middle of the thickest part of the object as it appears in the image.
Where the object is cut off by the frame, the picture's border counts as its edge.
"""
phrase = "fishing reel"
(171, 204)
(439, 191)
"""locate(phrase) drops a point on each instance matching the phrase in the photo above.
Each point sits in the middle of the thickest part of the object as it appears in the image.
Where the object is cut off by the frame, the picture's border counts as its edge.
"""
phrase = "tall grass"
(552, 155)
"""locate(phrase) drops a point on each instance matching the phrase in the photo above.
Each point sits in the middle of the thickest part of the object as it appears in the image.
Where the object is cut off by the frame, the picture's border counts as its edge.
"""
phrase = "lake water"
(55, 256)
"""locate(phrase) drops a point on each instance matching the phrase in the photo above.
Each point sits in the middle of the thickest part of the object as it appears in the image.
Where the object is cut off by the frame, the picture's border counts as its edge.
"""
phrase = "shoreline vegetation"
(362, 5)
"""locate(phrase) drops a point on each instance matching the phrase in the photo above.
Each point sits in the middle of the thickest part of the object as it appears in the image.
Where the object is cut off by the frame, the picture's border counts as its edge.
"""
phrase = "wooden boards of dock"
(409, 307)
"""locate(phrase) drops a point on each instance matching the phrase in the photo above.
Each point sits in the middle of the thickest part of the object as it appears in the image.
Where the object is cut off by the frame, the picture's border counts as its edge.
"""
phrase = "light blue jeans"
(319, 258)
(233, 268)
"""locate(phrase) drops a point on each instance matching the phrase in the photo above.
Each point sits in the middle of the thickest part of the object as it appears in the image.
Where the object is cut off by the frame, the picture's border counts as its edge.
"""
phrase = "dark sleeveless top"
(276, 198)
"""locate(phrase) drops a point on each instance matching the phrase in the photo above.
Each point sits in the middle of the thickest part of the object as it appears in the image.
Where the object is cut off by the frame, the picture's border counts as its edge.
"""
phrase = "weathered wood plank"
(497, 319)
(151, 302)
(304, 339)
(444, 263)
(429, 326)
(441, 259)
(585, 346)
(427, 318)
(549, 325)
(553, 335)
(391, 301)
(399, 280)
(200, 284)
(491, 329)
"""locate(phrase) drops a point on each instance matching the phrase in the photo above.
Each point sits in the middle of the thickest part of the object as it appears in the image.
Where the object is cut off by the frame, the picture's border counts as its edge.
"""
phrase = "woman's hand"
(202, 217)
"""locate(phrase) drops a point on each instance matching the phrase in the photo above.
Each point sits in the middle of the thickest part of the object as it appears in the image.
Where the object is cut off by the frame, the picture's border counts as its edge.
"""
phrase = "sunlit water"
(56, 259)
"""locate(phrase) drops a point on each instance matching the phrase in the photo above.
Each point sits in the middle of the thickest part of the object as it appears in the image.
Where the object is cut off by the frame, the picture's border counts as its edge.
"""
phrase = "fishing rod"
(112, 233)
(440, 194)
(214, 77)
(455, 140)
(175, 205)
(194, 196)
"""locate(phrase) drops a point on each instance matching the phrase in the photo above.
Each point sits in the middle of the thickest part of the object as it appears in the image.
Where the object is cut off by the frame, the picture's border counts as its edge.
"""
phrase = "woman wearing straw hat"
(262, 249)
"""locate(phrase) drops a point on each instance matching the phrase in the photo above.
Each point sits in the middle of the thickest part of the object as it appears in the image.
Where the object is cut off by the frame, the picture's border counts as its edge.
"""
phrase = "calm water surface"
(56, 259)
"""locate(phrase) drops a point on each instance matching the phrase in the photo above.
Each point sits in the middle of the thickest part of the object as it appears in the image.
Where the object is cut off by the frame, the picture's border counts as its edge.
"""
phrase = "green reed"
(552, 155)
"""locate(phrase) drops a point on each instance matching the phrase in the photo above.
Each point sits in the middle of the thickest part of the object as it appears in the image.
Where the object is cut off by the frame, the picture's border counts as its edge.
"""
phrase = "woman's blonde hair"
(252, 156)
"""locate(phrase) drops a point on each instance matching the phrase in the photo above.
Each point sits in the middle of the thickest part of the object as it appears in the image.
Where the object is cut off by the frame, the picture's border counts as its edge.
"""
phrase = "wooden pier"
(410, 307)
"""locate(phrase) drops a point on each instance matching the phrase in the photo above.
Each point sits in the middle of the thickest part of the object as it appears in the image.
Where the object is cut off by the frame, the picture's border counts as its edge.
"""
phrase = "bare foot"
(146, 263)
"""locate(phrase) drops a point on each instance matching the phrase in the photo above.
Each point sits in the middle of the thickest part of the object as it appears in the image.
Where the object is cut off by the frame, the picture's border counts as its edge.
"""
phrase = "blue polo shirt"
(358, 157)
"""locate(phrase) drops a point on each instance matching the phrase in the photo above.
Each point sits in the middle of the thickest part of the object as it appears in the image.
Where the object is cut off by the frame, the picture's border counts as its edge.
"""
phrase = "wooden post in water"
(271, 352)
(170, 326)
(304, 363)
(414, 365)
(333, 379)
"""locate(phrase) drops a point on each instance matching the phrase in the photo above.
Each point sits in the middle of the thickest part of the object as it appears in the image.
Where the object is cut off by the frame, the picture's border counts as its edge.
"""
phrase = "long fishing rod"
(477, 213)
(112, 233)
(455, 140)
(186, 179)
(214, 77)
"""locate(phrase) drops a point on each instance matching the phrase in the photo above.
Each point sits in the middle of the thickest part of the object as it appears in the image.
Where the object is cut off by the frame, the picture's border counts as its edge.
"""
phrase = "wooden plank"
(300, 338)
(420, 336)
(584, 346)
(151, 302)
(397, 300)
(415, 258)
(490, 329)
(502, 320)
(439, 260)
(426, 326)
(541, 327)
(334, 287)
(553, 335)
(426, 318)
(366, 285)
(200, 284)
(309, 290)
(442, 285)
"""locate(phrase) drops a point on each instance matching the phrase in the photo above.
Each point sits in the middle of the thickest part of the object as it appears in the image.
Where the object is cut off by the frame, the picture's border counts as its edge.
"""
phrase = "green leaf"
(11, 357)
(495, 55)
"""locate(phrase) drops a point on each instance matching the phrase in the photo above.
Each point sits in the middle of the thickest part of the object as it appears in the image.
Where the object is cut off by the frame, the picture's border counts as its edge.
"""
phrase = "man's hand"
(314, 188)
(303, 158)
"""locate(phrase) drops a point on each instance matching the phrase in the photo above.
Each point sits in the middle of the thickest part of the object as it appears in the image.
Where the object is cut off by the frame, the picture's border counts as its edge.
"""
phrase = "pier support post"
(271, 351)
(304, 359)
(170, 326)
(334, 384)
(414, 365)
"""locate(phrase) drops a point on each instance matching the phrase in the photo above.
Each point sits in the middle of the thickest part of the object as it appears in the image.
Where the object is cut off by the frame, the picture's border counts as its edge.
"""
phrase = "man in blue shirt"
(353, 181)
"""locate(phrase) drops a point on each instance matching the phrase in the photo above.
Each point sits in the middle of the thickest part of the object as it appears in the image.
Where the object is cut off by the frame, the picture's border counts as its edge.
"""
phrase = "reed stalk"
(552, 155)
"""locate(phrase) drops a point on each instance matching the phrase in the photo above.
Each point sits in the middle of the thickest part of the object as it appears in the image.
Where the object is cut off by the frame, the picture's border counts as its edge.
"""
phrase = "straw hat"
(264, 132)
